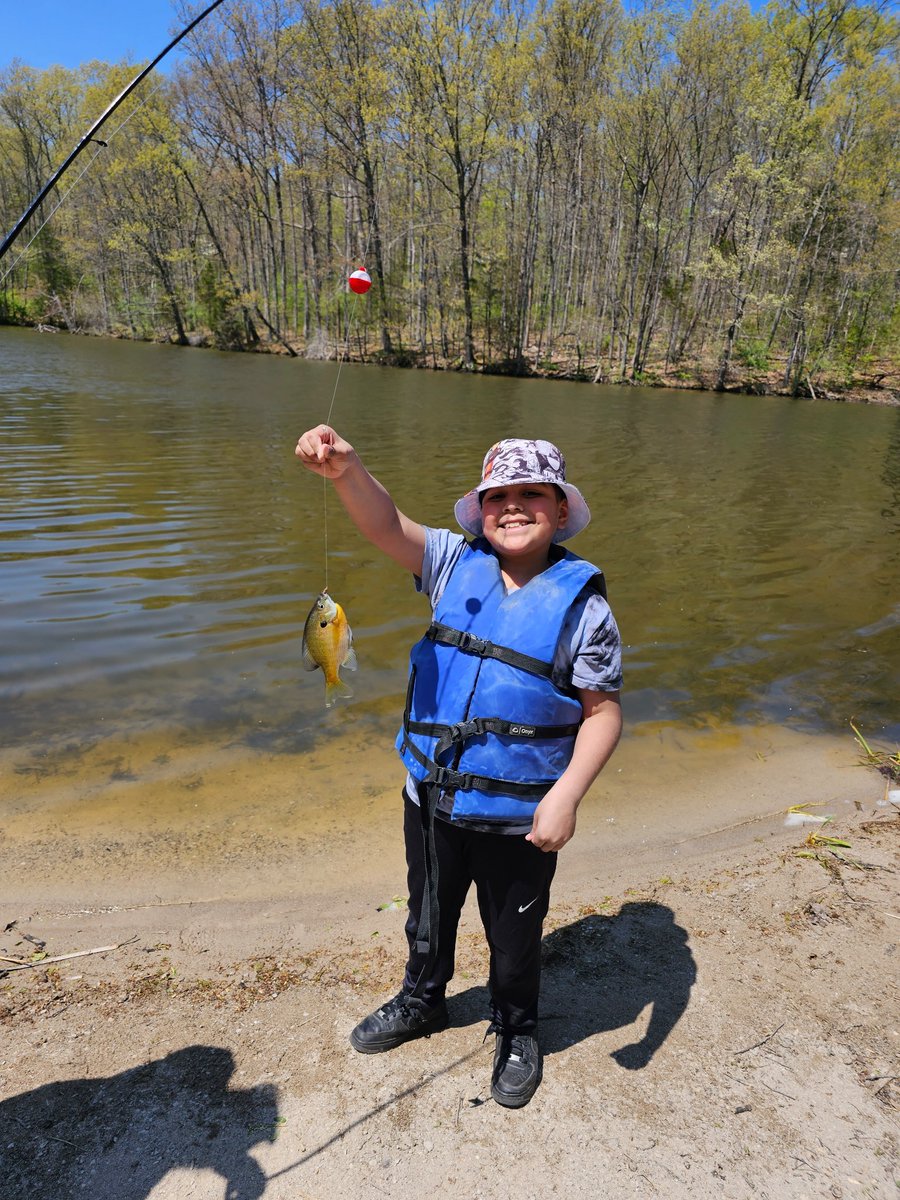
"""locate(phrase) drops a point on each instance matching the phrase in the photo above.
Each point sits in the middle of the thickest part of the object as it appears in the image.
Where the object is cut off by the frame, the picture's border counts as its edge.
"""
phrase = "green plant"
(15, 309)
(884, 761)
(754, 354)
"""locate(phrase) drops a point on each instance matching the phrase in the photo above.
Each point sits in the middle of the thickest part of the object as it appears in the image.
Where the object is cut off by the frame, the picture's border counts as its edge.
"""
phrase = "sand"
(719, 1016)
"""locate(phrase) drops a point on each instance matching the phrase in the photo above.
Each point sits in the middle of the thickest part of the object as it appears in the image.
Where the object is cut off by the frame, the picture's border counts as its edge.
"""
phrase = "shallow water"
(160, 548)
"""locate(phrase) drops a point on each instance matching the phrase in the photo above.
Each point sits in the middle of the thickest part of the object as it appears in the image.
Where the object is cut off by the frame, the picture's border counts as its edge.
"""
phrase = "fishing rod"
(89, 136)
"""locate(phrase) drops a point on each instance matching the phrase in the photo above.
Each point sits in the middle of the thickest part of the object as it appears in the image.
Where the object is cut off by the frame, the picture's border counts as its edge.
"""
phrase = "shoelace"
(517, 1045)
(518, 1049)
(514, 1046)
(398, 1005)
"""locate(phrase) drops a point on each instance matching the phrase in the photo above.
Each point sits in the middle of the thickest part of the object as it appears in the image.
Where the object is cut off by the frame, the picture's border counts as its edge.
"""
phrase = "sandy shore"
(719, 1012)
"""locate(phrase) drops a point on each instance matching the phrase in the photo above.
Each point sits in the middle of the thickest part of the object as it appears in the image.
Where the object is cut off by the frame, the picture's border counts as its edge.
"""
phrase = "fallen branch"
(22, 966)
(727, 828)
(777, 1091)
(756, 1045)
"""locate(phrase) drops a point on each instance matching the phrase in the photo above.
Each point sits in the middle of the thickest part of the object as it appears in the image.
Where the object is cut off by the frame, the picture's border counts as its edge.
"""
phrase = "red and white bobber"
(360, 281)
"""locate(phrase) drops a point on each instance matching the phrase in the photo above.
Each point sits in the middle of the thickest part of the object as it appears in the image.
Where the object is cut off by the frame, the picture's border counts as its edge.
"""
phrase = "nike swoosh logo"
(522, 907)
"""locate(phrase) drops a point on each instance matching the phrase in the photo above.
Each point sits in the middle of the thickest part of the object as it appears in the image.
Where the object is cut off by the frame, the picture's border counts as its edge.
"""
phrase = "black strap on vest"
(463, 730)
(450, 780)
(446, 635)
(429, 915)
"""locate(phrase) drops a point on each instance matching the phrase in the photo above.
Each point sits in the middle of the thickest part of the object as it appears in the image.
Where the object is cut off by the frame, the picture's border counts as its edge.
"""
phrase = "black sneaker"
(517, 1069)
(400, 1020)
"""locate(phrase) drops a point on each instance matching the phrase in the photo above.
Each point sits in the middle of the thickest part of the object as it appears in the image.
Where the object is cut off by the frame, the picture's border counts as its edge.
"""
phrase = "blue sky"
(69, 32)
(43, 33)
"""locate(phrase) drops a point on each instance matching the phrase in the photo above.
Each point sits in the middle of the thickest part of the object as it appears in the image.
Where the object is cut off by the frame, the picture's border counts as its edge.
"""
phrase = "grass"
(885, 762)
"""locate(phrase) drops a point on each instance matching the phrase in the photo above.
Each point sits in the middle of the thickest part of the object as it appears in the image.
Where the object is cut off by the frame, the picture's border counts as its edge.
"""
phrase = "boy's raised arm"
(368, 503)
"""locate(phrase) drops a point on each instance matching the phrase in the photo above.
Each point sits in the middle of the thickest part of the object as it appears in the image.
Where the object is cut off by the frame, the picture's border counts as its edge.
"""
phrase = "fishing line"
(65, 195)
(344, 352)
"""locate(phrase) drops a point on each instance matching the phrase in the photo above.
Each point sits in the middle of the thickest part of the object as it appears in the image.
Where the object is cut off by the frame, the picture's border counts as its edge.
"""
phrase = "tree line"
(614, 193)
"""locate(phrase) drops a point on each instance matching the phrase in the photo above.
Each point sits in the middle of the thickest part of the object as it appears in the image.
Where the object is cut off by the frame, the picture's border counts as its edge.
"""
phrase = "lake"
(160, 547)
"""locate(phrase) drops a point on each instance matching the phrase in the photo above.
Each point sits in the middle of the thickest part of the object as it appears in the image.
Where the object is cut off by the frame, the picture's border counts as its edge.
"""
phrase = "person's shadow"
(600, 973)
(119, 1135)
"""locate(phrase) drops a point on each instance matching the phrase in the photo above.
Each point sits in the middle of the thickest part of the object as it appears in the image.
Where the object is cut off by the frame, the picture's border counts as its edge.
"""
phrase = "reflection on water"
(159, 547)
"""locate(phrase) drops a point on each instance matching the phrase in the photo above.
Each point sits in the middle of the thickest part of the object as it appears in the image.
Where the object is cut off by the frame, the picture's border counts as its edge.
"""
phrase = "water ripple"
(159, 548)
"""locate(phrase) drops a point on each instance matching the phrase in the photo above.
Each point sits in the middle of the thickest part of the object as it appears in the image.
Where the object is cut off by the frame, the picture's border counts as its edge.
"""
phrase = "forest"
(701, 194)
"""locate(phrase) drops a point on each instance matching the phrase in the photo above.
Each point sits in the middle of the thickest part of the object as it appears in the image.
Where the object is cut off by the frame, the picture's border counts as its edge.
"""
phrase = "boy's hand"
(368, 504)
(601, 724)
(325, 452)
(554, 822)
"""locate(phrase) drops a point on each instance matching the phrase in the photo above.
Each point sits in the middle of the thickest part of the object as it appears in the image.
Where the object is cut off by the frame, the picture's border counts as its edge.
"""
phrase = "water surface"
(160, 548)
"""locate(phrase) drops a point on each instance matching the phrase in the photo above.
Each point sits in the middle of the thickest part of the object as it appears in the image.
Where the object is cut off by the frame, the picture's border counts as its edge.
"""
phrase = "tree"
(455, 62)
(341, 81)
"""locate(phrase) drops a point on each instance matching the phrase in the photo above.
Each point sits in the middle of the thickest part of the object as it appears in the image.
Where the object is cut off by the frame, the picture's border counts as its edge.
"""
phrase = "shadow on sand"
(120, 1135)
(599, 974)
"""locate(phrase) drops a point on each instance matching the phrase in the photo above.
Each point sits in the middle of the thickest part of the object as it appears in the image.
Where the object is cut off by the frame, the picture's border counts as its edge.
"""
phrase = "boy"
(511, 713)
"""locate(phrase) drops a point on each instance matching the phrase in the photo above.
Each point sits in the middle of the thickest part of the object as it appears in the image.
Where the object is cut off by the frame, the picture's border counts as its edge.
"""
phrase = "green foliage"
(16, 309)
(213, 297)
(754, 354)
(616, 186)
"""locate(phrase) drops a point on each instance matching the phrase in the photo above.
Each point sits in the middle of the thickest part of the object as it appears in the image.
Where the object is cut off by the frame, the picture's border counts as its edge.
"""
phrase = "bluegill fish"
(328, 643)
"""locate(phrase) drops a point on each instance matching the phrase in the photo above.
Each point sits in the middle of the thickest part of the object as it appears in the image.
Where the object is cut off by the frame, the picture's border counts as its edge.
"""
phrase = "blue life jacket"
(483, 719)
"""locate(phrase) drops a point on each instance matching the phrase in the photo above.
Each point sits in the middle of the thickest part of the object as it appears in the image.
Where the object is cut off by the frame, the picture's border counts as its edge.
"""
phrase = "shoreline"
(144, 818)
(692, 375)
(724, 1029)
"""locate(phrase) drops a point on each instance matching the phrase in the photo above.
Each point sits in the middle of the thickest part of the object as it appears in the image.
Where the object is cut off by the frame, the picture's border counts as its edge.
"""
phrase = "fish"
(328, 644)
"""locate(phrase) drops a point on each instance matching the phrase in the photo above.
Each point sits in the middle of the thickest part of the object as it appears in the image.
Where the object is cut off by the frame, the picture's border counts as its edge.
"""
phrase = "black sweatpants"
(512, 879)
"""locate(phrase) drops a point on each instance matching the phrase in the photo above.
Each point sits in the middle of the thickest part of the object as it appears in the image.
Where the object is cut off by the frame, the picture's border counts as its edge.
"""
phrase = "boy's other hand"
(554, 817)
(554, 822)
(324, 451)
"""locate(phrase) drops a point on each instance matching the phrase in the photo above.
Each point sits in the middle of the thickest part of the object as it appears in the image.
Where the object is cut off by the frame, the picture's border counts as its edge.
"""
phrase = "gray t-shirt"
(588, 653)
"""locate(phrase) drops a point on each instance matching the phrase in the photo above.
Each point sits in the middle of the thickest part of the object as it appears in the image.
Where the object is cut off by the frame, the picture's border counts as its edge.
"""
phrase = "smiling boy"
(512, 711)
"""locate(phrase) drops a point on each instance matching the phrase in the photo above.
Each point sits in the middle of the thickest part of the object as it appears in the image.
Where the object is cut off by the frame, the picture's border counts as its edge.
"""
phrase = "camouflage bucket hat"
(521, 460)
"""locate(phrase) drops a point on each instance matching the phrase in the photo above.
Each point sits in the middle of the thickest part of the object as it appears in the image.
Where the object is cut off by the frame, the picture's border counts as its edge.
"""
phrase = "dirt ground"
(723, 1024)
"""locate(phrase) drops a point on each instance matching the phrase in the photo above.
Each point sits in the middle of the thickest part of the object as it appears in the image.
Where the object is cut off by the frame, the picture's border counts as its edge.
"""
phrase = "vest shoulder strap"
(468, 643)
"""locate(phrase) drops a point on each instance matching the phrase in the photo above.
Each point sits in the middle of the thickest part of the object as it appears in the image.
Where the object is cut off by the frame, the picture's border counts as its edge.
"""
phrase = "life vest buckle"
(444, 777)
(466, 729)
(469, 643)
